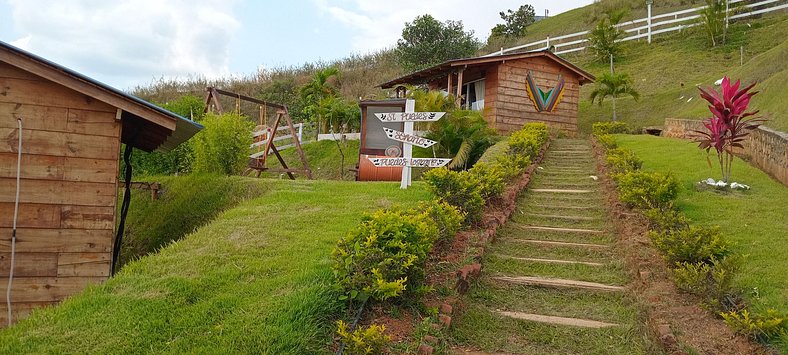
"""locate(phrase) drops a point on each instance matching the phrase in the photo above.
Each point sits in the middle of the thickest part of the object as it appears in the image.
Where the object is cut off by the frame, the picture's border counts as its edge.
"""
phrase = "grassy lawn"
(757, 220)
(255, 280)
(185, 203)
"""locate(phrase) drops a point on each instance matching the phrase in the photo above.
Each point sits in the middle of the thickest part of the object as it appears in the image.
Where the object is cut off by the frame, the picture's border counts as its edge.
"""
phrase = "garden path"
(553, 281)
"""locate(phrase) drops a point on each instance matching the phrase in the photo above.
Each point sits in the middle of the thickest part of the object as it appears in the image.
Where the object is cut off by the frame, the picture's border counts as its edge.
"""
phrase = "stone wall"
(765, 148)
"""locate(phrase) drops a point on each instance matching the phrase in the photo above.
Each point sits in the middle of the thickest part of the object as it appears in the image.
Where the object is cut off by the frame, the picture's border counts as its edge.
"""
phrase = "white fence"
(262, 137)
(647, 27)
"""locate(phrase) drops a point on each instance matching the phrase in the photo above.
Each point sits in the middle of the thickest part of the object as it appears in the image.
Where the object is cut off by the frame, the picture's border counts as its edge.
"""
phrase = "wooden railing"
(262, 136)
(647, 27)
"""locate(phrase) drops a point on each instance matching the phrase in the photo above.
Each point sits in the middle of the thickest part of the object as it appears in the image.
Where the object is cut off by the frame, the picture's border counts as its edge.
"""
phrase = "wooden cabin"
(72, 130)
(511, 89)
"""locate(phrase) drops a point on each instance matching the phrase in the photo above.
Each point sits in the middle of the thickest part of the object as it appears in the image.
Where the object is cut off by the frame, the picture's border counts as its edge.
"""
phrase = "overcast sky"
(130, 42)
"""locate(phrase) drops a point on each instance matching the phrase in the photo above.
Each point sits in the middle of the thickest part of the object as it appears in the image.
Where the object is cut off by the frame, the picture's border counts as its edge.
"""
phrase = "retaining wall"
(765, 148)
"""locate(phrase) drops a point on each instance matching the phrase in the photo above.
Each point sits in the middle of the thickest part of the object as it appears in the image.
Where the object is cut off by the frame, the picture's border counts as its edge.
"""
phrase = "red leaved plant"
(729, 125)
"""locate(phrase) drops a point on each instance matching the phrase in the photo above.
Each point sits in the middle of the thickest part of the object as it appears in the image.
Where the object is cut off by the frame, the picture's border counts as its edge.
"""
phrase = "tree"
(712, 19)
(613, 85)
(604, 37)
(341, 117)
(315, 91)
(426, 41)
(516, 22)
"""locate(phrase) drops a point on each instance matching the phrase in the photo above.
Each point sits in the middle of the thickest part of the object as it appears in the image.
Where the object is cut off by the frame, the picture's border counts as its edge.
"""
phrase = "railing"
(652, 25)
(262, 137)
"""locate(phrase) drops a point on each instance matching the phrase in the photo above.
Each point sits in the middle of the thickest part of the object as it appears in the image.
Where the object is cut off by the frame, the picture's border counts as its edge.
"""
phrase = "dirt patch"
(676, 319)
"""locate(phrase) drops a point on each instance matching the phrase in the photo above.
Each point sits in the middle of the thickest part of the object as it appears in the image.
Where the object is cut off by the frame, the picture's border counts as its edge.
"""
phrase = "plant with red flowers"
(729, 124)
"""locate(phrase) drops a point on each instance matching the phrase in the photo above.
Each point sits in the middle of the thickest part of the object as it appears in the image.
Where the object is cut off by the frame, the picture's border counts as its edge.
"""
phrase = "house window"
(473, 95)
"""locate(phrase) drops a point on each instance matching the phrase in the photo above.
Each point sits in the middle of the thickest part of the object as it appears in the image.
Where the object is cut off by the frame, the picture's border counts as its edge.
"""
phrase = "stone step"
(559, 283)
(569, 151)
(569, 218)
(562, 244)
(558, 229)
(553, 261)
(564, 191)
(573, 322)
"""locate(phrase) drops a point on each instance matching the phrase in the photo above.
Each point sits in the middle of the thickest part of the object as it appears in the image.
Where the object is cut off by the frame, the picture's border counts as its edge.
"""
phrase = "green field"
(756, 220)
(255, 280)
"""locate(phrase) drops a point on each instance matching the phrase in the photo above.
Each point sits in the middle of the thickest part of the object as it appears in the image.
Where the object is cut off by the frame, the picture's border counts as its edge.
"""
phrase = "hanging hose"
(16, 215)
(124, 209)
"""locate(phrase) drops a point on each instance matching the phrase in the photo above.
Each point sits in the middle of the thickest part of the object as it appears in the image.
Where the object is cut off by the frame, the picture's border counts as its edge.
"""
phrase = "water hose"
(353, 326)
(13, 230)
(124, 210)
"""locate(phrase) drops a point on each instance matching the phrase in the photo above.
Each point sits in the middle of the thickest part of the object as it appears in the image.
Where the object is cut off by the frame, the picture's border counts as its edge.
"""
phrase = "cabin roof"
(427, 74)
(145, 125)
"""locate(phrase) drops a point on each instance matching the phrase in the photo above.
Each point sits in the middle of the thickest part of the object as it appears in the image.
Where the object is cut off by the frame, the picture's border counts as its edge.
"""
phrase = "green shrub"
(761, 327)
(384, 256)
(497, 150)
(621, 160)
(692, 245)
(223, 146)
(459, 189)
(648, 189)
(363, 340)
(529, 139)
(607, 141)
(491, 180)
(605, 128)
(666, 220)
(713, 281)
(446, 218)
(512, 165)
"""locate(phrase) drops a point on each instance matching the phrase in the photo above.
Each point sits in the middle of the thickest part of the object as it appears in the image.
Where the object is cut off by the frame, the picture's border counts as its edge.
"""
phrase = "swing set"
(265, 136)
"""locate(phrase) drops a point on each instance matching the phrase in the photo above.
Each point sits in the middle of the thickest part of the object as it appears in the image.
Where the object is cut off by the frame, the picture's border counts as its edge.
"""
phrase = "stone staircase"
(552, 282)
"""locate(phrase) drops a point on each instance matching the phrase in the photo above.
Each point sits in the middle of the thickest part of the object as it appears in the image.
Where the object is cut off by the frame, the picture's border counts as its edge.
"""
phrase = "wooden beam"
(458, 99)
(248, 98)
(61, 77)
(282, 161)
(297, 142)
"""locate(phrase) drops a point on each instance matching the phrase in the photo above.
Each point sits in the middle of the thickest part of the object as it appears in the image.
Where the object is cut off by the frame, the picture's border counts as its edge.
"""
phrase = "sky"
(126, 43)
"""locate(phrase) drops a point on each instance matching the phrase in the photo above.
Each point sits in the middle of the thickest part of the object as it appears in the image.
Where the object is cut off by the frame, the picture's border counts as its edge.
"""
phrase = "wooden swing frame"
(257, 165)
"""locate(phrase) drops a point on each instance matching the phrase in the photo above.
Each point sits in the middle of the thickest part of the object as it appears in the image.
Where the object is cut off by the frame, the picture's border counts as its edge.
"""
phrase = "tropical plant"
(712, 20)
(605, 36)
(315, 91)
(426, 41)
(613, 85)
(516, 22)
(462, 135)
(729, 124)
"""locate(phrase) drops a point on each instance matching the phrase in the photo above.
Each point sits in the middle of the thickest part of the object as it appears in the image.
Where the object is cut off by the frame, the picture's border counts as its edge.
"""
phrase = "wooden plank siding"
(68, 195)
(508, 102)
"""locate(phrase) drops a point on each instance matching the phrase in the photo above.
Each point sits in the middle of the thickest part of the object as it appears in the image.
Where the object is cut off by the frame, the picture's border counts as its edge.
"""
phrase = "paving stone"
(574, 322)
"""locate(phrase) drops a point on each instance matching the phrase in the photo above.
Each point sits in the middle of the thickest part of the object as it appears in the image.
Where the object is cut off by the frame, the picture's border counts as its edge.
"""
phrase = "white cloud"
(129, 42)
(379, 24)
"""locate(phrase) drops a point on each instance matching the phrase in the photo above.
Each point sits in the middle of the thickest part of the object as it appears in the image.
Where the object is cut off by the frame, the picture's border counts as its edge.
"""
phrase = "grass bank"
(754, 220)
(255, 280)
(185, 203)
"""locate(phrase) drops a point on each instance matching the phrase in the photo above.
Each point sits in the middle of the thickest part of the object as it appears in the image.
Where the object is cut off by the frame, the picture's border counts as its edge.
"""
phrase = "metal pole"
(649, 21)
(548, 43)
(612, 70)
(741, 56)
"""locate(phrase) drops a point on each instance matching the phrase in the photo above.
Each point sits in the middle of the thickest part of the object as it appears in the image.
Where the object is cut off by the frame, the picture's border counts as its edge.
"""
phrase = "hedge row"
(384, 258)
(701, 260)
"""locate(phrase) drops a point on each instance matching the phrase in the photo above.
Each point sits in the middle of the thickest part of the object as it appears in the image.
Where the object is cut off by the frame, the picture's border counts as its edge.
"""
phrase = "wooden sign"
(410, 162)
(410, 116)
(403, 137)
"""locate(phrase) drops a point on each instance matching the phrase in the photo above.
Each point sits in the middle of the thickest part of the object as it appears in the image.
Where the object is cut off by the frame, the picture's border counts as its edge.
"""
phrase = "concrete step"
(561, 244)
(572, 322)
(557, 283)
(563, 217)
(552, 261)
(556, 207)
(562, 191)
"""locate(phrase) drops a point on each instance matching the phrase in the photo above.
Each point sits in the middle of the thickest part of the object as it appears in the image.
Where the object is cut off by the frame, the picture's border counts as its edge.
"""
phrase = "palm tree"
(315, 91)
(613, 85)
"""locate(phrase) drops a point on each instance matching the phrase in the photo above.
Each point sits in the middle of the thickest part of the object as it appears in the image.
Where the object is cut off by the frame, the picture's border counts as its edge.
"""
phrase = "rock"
(446, 308)
(445, 320)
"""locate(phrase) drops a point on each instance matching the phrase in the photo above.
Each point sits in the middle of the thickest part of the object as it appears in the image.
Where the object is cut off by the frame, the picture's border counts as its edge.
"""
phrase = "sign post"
(409, 139)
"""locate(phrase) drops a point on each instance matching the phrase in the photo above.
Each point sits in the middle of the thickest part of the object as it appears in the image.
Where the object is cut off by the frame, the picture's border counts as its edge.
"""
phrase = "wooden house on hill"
(72, 130)
(512, 89)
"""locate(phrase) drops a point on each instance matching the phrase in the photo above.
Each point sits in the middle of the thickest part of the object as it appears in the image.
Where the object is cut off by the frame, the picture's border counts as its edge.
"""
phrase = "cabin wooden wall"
(508, 102)
(66, 222)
